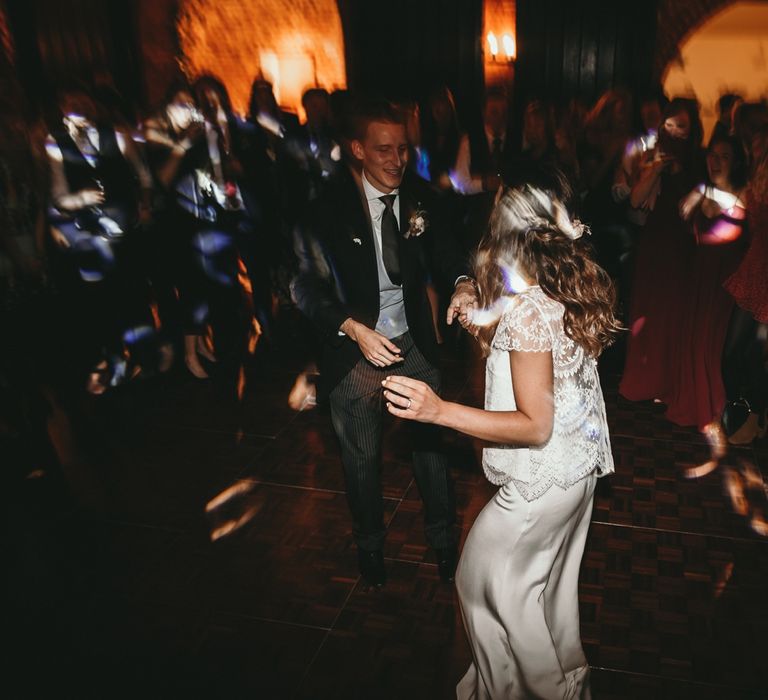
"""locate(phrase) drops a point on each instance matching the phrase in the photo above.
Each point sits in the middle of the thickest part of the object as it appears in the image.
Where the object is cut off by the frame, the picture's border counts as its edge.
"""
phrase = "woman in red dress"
(744, 356)
(664, 253)
(697, 394)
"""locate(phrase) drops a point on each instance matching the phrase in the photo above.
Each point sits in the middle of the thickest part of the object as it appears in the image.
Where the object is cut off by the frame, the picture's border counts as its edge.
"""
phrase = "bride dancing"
(549, 314)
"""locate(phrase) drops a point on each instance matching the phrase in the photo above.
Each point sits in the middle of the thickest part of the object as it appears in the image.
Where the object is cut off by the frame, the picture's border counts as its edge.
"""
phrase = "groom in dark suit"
(363, 268)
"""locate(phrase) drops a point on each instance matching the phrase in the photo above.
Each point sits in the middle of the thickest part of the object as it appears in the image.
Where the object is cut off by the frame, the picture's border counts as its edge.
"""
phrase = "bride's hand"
(412, 399)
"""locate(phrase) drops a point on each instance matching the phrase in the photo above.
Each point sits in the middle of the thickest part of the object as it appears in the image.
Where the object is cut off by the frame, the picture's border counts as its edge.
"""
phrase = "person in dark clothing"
(100, 194)
(198, 220)
(361, 282)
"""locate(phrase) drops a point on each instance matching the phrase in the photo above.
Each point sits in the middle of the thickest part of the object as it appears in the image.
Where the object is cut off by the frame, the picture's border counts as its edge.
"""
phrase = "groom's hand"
(377, 349)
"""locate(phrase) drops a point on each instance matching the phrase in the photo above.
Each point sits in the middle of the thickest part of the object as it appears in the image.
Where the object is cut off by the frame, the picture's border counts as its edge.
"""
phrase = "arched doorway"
(295, 44)
(728, 52)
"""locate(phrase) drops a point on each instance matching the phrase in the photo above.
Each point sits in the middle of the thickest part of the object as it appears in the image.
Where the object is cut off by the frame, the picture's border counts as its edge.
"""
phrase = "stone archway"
(295, 44)
(727, 52)
(676, 20)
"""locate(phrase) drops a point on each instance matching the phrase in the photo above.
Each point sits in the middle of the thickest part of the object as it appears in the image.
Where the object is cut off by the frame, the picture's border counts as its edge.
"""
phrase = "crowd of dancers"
(128, 246)
(146, 242)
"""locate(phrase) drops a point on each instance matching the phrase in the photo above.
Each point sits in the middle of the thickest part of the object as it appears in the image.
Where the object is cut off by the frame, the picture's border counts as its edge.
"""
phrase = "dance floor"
(204, 550)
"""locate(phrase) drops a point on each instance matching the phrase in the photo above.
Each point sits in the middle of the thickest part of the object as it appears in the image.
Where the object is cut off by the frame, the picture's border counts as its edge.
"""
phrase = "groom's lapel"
(358, 229)
(407, 208)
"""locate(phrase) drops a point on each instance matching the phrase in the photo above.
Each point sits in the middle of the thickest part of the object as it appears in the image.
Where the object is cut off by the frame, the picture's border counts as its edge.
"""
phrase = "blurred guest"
(748, 119)
(664, 253)
(607, 129)
(483, 153)
(538, 138)
(314, 145)
(628, 170)
(288, 186)
(626, 176)
(100, 188)
(264, 110)
(538, 161)
(569, 130)
(197, 219)
(483, 156)
(240, 152)
(717, 207)
(442, 135)
(100, 194)
(726, 106)
(25, 302)
(744, 365)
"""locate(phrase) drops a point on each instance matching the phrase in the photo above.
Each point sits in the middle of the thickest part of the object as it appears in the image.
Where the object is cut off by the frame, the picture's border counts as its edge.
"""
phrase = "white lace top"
(579, 444)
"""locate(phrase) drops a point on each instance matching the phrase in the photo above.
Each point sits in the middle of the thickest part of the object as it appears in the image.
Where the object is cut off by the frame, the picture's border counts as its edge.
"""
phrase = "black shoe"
(371, 565)
(446, 564)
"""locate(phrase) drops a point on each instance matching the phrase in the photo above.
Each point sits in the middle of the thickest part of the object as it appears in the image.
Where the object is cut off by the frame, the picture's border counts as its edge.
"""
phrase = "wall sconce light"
(507, 44)
(510, 49)
(493, 45)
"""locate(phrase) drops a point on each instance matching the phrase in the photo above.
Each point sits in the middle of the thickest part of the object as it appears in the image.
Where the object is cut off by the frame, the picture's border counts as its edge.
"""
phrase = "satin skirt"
(517, 582)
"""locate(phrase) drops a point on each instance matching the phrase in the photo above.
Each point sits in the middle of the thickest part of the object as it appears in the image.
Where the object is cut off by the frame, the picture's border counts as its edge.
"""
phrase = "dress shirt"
(392, 322)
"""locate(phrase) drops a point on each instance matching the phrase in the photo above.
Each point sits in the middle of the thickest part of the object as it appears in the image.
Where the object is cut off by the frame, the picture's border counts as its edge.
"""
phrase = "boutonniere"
(417, 224)
(357, 241)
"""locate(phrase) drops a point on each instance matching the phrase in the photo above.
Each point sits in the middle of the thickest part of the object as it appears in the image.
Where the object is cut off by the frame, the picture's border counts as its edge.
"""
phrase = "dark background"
(566, 48)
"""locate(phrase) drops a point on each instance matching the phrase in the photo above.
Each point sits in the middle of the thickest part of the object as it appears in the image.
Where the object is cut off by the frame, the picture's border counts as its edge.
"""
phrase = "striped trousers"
(357, 411)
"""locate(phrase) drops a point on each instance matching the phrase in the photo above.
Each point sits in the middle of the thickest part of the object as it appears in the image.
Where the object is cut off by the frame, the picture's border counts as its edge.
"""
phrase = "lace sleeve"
(523, 327)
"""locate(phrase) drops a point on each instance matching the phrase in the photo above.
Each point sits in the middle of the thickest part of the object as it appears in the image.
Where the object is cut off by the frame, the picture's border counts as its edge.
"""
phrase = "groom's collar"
(371, 192)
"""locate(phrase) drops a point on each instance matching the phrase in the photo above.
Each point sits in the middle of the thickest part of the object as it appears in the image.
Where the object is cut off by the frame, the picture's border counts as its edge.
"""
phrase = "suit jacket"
(338, 274)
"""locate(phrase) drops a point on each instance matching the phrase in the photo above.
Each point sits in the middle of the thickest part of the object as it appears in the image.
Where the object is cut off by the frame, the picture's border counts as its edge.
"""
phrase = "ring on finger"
(409, 405)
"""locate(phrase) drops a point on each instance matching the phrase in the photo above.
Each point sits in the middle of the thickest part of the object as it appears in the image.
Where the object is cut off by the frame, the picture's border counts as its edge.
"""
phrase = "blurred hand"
(91, 198)
(411, 399)
(192, 134)
(58, 238)
(689, 203)
(662, 161)
(462, 306)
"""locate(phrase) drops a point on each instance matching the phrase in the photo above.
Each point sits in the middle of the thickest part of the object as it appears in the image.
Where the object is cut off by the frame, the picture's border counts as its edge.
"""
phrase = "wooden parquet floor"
(204, 550)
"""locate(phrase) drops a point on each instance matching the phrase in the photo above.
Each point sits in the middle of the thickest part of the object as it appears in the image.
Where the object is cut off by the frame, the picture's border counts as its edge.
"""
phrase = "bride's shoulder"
(530, 302)
(526, 323)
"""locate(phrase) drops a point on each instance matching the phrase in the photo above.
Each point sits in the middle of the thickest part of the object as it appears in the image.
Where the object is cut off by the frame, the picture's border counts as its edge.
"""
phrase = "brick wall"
(291, 42)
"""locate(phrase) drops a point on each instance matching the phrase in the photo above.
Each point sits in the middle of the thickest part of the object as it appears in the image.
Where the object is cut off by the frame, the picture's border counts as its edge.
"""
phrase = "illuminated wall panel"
(295, 44)
(499, 41)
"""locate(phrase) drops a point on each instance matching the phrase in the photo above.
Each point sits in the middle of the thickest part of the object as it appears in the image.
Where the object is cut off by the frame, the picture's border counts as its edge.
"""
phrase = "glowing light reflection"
(510, 49)
(493, 44)
(233, 508)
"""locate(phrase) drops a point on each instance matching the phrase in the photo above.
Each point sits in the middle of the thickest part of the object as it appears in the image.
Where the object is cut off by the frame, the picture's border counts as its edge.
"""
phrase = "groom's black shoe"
(371, 565)
(446, 564)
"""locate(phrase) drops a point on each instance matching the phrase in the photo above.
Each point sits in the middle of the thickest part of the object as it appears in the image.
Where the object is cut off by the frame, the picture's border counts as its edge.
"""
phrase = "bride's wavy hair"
(531, 235)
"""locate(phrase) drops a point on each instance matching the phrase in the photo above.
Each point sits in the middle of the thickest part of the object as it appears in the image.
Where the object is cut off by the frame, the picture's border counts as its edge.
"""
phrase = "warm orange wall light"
(295, 44)
(500, 47)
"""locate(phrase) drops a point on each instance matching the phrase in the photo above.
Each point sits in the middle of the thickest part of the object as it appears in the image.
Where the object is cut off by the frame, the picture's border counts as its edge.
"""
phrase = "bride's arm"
(529, 425)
